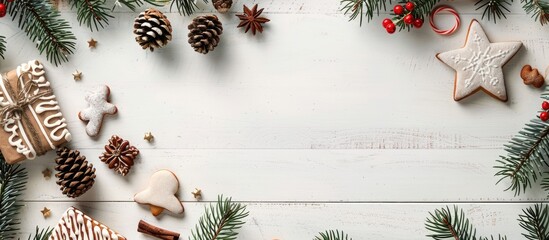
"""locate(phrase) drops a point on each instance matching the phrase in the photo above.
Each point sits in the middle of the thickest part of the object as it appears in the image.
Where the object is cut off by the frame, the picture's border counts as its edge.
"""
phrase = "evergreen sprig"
(356, 8)
(220, 221)
(43, 234)
(447, 224)
(92, 13)
(45, 27)
(536, 222)
(493, 9)
(539, 9)
(527, 156)
(12, 183)
(185, 7)
(2, 46)
(332, 235)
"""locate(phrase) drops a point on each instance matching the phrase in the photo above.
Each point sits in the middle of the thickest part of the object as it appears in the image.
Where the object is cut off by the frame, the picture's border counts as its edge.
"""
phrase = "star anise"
(251, 19)
(119, 155)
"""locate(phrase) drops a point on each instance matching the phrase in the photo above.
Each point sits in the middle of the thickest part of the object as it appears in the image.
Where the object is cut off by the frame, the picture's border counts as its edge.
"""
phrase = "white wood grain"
(325, 124)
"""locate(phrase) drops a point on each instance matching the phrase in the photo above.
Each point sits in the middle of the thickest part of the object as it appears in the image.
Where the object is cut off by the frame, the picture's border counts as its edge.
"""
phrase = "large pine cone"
(75, 175)
(204, 33)
(119, 155)
(222, 6)
(153, 29)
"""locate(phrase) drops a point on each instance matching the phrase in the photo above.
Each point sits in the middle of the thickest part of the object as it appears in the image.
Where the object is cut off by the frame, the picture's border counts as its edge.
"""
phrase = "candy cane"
(444, 9)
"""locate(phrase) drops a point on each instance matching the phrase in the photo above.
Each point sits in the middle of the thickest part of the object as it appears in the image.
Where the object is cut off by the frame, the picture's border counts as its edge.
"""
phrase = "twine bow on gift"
(14, 111)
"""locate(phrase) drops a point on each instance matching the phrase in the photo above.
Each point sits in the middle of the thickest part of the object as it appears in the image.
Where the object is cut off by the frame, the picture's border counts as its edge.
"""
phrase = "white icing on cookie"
(163, 185)
(98, 106)
(479, 64)
(75, 225)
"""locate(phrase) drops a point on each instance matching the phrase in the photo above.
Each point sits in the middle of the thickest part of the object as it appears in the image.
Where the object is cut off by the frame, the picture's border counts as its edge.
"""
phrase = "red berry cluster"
(3, 9)
(404, 13)
(544, 116)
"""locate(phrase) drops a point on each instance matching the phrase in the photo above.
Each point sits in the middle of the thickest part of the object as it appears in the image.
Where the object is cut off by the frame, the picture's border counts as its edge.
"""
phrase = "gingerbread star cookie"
(479, 64)
(98, 107)
(160, 193)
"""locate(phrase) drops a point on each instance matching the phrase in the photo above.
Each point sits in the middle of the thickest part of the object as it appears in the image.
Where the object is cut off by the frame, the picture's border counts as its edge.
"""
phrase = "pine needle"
(332, 235)
(527, 155)
(45, 27)
(536, 222)
(12, 184)
(539, 9)
(185, 7)
(446, 224)
(2, 46)
(493, 9)
(358, 8)
(221, 221)
(92, 13)
(133, 4)
(43, 234)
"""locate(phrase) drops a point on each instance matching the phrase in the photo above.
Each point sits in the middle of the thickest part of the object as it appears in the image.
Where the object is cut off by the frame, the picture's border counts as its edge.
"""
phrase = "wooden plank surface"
(316, 124)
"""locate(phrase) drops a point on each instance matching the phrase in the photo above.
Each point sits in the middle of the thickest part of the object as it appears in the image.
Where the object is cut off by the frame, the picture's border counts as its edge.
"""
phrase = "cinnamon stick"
(149, 229)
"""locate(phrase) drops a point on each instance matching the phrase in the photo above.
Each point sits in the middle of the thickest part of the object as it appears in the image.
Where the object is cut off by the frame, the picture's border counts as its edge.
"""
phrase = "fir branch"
(43, 234)
(2, 46)
(539, 9)
(446, 224)
(536, 222)
(185, 7)
(44, 26)
(493, 9)
(12, 183)
(363, 7)
(221, 221)
(92, 13)
(527, 155)
(133, 4)
(332, 235)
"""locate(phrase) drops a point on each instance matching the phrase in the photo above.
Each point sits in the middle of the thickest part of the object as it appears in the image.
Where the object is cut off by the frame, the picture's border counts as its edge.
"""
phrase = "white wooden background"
(316, 124)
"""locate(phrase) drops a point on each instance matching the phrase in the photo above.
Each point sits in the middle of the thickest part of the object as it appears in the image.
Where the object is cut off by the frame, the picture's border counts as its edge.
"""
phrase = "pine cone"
(222, 6)
(153, 29)
(75, 175)
(119, 155)
(204, 33)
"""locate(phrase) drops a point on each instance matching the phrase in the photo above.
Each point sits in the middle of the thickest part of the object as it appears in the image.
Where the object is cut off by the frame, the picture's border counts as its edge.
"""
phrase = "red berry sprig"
(404, 14)
(544, 116)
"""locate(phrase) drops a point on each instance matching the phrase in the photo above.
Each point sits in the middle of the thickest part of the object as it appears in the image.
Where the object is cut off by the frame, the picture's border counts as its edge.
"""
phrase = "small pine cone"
(119, 155)
(222, 6)
(153, 29)
(204, 33)
(75, 175)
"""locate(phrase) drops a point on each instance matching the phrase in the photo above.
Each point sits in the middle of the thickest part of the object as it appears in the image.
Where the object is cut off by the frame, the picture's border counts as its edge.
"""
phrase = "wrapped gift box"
(31, 122)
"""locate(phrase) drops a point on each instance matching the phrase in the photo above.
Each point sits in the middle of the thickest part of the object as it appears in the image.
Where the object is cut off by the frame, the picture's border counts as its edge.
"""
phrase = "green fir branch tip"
(2, 46)
(493, 9)
(447, 224)
(134, 4)
(332, 235)
(220, 221)
(536, 222)
(12, 184)
(527, 156)
(43, 234)
(92, 13)
(45, 27)
(356, 8)
(185, 7)
(539, 9)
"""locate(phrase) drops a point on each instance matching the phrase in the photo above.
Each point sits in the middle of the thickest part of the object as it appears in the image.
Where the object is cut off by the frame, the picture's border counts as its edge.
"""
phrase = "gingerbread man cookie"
(160, 193)
(98, 107)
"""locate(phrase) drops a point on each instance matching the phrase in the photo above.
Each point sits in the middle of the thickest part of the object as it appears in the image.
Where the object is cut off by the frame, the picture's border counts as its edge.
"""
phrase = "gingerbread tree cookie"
(75, 225)
(160, 193)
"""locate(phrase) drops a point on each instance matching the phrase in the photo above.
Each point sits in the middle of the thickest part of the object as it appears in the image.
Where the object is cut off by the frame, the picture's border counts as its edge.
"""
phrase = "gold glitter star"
(92, 43)
(197, 193)
(46, 173)
(46, 212)
(77, 75)
(148, 137)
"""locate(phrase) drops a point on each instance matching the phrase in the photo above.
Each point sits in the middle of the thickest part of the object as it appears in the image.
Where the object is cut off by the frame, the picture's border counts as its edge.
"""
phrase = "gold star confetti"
(46, 212)
(148, 137)
(77, 75)
(92, 43)
(197, 193)
(46, 173)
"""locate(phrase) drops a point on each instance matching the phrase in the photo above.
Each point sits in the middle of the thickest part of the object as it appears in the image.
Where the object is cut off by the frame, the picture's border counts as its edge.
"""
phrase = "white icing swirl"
(75, 225)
